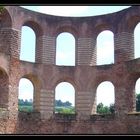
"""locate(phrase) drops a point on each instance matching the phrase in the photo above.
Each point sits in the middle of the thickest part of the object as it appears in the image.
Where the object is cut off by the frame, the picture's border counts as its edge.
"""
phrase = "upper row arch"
(127, 22)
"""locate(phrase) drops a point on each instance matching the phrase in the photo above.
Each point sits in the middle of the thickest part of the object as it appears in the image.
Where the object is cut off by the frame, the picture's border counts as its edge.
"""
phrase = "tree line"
(60, 106)
(25, 102)
(29, 102)
(101, 109)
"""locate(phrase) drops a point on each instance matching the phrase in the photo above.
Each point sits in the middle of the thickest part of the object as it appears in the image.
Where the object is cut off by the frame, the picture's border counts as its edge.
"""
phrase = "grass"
(62, 110)
(25, 108)
(65, 110)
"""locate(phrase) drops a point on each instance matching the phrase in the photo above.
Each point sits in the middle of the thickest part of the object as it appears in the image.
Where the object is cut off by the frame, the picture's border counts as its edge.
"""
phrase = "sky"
(105, 91)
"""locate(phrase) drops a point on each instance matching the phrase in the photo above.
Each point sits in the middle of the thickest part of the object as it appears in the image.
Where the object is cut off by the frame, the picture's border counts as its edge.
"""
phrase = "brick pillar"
(15, 43)
(120, 101)
(36, 103)
(46, 103)
(94, 103)
(83, 104)
(40, 42)
(13, 102)
(10, 44)
(130, 95)
(4, 80)
(14, 77)
(4, 41)
(94, 53)
(45, 50)
(124, 46)
(86, 54)
(10, 41)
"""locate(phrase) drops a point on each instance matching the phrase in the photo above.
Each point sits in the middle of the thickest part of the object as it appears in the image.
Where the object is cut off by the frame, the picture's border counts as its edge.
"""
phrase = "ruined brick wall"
(85, 76)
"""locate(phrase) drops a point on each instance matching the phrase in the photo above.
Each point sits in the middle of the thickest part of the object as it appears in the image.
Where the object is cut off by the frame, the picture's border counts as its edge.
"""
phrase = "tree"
(138, 102)
(112, 108)
(20, 102)
(64, 104)
(101, 109)
(67, 103)
(58, 103)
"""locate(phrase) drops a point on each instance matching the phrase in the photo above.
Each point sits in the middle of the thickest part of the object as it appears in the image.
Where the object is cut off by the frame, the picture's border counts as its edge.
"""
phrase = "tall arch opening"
(65, 98)
(137, 95)
(25, 97)
(105, 98)
(28, 40)
(65, 49)
(136, 41)
(105, 48)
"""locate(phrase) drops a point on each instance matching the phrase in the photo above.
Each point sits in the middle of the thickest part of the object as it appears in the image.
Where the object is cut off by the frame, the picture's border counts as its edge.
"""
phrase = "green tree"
(58, 103)
(138, 102)
(67, 103)
(62, 104)
(26, 106)
(101, 109)
(20, 102)
(112, 108)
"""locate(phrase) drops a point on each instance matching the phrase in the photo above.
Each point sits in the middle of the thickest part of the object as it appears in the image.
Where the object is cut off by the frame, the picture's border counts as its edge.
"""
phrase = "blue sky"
(106, 89)
(76, 10)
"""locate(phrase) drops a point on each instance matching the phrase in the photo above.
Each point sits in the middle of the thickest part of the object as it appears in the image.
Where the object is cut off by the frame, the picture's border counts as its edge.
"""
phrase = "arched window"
(105, 97)
(105, 48)
(65, 98)
(25, 97)
(137, 41)
(28, 39)
(137, 95)
(65, 49)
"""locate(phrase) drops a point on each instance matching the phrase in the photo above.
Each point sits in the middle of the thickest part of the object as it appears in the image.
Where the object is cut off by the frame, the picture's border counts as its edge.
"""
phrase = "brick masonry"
(85, 76)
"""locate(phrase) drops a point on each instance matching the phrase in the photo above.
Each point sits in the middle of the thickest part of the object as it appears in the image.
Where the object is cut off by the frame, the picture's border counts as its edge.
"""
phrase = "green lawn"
(25, 108)
(63, 110)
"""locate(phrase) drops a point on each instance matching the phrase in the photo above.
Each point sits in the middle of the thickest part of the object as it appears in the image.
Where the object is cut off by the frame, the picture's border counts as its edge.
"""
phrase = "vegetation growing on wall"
(1, 9)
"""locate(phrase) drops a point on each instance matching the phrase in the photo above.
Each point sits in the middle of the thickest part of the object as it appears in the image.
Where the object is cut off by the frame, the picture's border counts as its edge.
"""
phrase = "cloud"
(63, 10)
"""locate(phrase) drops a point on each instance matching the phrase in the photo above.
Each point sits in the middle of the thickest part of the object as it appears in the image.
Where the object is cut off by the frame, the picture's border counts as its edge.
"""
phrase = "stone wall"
(85, 76)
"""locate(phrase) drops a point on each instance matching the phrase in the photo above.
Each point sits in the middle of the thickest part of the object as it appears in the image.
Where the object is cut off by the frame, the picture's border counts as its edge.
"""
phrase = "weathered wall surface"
(85, 76)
